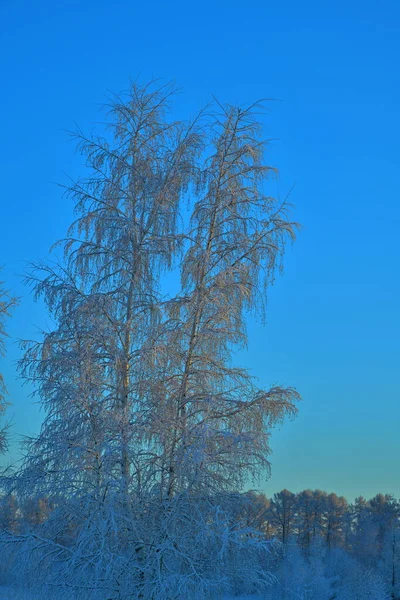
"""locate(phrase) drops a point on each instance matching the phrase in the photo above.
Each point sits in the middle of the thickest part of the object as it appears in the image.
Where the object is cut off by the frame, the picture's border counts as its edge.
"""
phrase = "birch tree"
(128, 211)
(218, 425)
(150, 431)
(69, 370)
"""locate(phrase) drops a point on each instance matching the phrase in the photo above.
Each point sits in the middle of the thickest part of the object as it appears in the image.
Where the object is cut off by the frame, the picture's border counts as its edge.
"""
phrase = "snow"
(8, 592)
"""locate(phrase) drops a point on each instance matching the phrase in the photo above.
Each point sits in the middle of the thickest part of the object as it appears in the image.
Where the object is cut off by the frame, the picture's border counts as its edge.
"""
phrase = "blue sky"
(332, 70)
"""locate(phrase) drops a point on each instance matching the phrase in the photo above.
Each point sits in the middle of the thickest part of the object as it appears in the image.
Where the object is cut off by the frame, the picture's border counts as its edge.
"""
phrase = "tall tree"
(217, 432)
(150, 432)
(384, 512)
(282, 514)
(128, 211)
(335, 511)
(305, 513)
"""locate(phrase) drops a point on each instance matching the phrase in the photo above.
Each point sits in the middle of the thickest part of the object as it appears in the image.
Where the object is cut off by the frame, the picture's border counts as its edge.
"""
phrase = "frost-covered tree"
(125, 237)
(372, 520)
(7, 303)
(301, 577)
(351, 580)
(363, 584)
(150, 432)
(384, 511)
(91, 454)
(389, 563)
(215, 422)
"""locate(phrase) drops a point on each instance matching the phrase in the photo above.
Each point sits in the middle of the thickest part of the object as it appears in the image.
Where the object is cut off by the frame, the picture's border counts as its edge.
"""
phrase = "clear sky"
(333, 69)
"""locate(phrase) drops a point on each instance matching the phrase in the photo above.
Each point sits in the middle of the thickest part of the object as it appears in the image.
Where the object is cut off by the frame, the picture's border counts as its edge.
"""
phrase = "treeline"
(325, 548)
(17, 516)
(359, 527)
(320, 546)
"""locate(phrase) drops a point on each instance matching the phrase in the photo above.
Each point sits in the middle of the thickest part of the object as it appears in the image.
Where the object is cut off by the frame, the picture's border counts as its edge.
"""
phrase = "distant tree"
(255, 512)
(361, 529)
(34, 512)
(313, 510)
(318, 512)
(9, 510)
(384, 510)
(282, 514)
(334, 518)
(371, 520)
(305, 516)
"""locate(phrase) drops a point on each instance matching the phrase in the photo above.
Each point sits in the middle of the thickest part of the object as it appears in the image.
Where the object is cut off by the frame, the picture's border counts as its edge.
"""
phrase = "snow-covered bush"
(301, 576)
